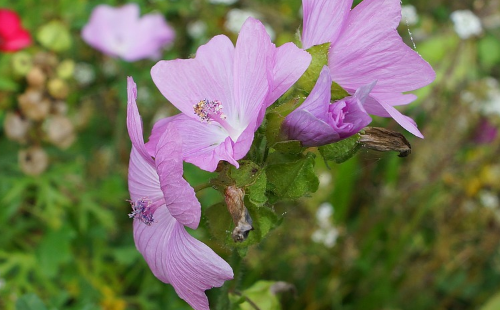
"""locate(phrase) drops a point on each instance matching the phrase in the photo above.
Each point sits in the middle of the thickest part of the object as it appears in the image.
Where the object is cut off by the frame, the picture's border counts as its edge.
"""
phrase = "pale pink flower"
(366, 47)
(121, 32)
(162, 204)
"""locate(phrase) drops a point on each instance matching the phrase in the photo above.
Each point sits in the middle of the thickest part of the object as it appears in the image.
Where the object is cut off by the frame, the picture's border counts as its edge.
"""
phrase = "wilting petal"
(185, 82)
(403, 120)
(371, 49)
(303, 126)
(179, 196)
(323, 20)
(177, 258)
(290, 62)
(251, 56)
(134, 121)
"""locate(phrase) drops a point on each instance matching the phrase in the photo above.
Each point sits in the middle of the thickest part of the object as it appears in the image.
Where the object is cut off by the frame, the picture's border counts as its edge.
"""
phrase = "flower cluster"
(223, 94)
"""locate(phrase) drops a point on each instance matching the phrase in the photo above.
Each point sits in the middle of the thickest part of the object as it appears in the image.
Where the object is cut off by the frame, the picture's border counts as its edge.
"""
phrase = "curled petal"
(179, 195)
(177, 258)
(303, 126)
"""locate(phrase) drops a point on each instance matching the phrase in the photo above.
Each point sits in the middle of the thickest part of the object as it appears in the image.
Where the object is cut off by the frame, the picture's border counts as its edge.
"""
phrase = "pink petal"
(185, 82)
(289, 63)
(370, 48)
(179, 196)
(134, 122)
(319, 99)
(303, 126)
(251, 85)
(323, 20)
(143, 180)
(403, 120)
(177, 258)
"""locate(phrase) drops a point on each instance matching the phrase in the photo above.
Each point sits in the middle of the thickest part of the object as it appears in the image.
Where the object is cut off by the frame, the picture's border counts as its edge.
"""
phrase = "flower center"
(211, 111)
(142, 210)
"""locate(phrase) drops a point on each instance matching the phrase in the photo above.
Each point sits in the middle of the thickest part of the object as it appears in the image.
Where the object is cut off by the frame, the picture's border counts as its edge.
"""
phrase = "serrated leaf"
(292, 177)
(340, 151)
(30, 302)
(246, 174)
(319, 55)
(257, 191)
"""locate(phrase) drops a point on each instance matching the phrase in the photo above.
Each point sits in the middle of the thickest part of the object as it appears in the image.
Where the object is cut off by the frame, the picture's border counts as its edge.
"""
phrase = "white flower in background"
(488, 199)
(236, 17)
(466, 24)
(325, 178)
(491, 104)
(226, 2)
(327, 233)
(409, 15)
(84, 73)
(197, 29)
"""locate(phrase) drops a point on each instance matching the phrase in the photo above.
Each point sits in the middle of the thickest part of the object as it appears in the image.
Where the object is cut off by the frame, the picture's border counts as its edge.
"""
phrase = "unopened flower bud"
(36, 77)
(60, 131)
(58, 88)
(383, 140)
(33, 161)
(234, 197)
(33, 104)
(16, 128)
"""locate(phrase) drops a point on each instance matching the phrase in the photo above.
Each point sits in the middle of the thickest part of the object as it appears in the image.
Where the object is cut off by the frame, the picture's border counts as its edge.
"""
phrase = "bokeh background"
(382, 232)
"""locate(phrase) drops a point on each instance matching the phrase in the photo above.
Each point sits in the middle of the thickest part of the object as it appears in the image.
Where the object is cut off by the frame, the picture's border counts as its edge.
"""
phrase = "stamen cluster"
(141, 210)
(208, 110)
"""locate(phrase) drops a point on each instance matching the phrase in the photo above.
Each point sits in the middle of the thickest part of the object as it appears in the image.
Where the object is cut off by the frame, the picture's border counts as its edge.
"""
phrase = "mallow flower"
(223, 93)
(121, 32)
(318, 122)
(162, 204)
(365, 46)
(13, 36)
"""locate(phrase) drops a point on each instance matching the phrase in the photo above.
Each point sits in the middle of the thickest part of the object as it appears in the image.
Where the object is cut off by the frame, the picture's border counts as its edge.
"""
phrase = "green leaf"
(289, 147)
(30, 302)
(54, 36)
(340, 151)
(261, 295)
(338, 92)
(489, 51)
(493, 303)
(291, 176)
(246, 174)
(54, 250)
(319, 55)
(220, 224)
(257, 191)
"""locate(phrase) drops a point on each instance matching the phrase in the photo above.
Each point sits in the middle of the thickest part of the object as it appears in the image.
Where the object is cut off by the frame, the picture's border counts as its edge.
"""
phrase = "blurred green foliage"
(413, 233)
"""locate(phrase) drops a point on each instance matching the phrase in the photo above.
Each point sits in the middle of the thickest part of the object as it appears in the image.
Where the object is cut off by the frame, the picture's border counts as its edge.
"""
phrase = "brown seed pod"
(33, 104)
(16, 127)
(234, 197)
(60, 131)
(36, 77)
(384, 140)
(33, 161)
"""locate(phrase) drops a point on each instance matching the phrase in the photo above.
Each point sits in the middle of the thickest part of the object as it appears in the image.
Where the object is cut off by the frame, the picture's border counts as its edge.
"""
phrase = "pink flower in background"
(223, 93)
(486, 132)
(12, 36)
(162, 204)
(120, 32)
(318, 122)
(365, 46)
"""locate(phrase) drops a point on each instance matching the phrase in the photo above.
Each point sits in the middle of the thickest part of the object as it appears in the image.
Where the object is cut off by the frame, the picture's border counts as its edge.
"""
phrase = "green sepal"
(291, 176)
(319, 55)
(337, 92)
(340, 151)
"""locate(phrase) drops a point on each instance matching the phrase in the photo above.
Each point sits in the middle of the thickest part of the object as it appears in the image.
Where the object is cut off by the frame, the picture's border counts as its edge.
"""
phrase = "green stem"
(202, 186)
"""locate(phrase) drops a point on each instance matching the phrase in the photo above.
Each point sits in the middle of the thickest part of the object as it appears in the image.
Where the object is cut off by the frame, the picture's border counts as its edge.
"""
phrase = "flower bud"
(33, 161)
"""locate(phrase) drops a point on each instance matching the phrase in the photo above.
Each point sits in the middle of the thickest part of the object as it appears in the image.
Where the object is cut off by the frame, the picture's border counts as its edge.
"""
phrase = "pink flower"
(223, 93)
(163, 203)
(366, 47)
(12, 36)
(318, 122)
(120, 32)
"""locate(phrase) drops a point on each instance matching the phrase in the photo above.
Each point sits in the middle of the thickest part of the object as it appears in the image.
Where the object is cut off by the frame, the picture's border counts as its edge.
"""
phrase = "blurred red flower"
(12, 36)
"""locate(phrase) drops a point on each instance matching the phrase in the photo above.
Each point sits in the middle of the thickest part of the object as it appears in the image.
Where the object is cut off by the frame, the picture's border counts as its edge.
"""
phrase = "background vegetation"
(406, 233)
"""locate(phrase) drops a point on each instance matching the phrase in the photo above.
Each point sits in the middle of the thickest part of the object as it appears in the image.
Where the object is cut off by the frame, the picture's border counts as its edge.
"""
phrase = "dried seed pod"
(36, 77)
(16, 127)
(383, 140)
(60, 131)
(234, 197)
(33, 161)
(33, 104)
